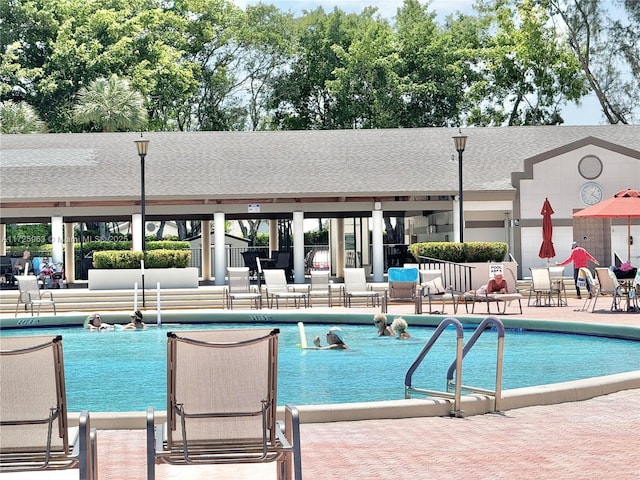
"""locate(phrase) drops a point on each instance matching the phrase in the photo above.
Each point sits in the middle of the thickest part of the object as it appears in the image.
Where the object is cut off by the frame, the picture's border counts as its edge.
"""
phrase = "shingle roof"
(222, 165)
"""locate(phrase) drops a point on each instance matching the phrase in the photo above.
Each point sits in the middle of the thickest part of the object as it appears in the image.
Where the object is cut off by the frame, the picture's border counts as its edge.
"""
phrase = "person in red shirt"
(580, 258)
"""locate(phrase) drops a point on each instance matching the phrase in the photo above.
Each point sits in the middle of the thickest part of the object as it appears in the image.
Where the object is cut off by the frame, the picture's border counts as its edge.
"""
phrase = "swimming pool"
(117, 371)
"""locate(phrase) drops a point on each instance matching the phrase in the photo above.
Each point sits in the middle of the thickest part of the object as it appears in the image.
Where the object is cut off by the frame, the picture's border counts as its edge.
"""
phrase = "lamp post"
(460, 142)
(142, 146)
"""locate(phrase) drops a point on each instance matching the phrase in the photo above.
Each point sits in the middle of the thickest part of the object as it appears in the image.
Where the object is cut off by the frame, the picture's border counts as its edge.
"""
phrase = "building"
(339, 174)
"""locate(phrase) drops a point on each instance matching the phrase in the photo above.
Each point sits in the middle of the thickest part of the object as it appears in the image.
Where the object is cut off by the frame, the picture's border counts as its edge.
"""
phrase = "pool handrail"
(480, 329)
(408, 388)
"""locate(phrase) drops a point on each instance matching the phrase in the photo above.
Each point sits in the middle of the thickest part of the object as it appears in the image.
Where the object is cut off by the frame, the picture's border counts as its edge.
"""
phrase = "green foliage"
(468, 252)
(261, 240)
(152, 259)
(110, 105)
(28, 236)
(316, 237)
(19, 118)
(103, 245)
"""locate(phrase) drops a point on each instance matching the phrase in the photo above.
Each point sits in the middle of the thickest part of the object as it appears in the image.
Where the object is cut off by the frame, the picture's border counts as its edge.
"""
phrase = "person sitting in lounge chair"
(399, 326)
(380, 321)
(497, 284)
(335, 340)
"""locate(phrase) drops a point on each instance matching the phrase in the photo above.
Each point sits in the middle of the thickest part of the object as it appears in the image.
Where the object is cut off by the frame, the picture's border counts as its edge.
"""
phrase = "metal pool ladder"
(456, 365)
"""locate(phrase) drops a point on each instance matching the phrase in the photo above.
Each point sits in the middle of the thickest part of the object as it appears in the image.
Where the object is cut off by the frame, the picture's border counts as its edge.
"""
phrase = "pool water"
(117, 371)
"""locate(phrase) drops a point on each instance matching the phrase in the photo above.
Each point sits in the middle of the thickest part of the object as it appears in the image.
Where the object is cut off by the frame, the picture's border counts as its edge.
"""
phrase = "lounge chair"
(34, 427)
(276, 289)
(558, 289)
(239, 288)
(432, 286)
(30, 294)
(402, 287)
(541, 287)
(356, 286)
(608, 285)
(221, 403)
(319, 287)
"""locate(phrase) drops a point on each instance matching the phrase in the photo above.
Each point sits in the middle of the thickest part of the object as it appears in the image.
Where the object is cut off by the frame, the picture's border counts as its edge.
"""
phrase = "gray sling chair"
(221, 403)
(33, 411)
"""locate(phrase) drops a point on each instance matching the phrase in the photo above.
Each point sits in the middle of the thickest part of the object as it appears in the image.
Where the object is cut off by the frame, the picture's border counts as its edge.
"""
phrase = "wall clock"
(591, 193)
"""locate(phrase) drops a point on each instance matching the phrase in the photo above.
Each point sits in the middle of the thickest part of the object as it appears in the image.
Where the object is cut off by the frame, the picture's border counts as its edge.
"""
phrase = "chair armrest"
(85, 449)
(43, 293)
(292, 432)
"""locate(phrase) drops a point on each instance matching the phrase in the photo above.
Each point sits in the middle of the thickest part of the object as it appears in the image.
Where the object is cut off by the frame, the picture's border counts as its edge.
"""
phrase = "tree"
(608, 52)
(19, 118)
(110, 105)
(527, 75)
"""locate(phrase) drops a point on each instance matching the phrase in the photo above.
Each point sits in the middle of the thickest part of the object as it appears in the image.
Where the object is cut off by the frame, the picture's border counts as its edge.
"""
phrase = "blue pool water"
(126, 370)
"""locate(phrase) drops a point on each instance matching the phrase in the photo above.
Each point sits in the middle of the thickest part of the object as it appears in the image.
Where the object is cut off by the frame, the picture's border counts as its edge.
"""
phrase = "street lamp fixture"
(142, 146)
(460, 142)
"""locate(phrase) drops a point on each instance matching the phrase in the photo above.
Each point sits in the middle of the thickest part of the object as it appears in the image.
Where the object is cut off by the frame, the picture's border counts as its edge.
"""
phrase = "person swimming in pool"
(136, 322)
(399, 326)
(335, 341)
(380, 321)
(94, 322)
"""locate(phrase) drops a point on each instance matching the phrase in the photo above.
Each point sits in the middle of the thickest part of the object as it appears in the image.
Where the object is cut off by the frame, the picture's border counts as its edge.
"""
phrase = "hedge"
(131, 259)
(467, 252)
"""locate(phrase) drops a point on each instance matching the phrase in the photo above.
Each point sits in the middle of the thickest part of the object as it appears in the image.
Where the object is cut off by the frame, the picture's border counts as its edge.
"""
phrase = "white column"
(69, 253)
(340, 247)
(298, 247)
(219, 252)
(136, 228)
(274, 243)
(377, 262)
(206, 249)
(57, 239)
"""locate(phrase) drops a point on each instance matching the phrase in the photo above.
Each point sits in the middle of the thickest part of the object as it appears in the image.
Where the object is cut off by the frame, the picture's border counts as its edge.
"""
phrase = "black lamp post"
(142, 145)
(460, 142)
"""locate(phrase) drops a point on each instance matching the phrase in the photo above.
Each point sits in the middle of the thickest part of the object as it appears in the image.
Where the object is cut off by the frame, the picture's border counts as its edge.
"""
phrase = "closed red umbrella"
(546, 249)
(624, 204)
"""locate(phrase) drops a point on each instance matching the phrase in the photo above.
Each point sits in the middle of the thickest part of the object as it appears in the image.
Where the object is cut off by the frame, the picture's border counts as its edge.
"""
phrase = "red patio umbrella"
(624, 204)
(546, 249)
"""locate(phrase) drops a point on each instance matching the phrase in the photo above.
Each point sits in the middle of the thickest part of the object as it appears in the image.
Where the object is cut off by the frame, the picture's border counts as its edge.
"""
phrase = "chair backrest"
(319, 280)
(224, 382)
(586, 273)
(250, 260)
(238, 279)
(32, 396)
(28, 286)
(540, 279)
(283, 260)
(607, 280)
(275, 280)
(355, 280)
(432, 279)
(396, 274)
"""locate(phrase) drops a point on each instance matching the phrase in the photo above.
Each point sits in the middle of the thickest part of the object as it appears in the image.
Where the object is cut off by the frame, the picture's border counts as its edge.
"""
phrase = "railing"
(409, 388)
(480, 329)
(456, 275)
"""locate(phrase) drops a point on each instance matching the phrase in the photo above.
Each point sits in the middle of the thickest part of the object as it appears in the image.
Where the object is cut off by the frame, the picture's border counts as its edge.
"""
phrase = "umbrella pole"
(629, 240)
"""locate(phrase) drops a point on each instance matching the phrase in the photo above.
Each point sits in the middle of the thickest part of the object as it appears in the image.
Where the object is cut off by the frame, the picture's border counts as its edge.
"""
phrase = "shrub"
(152, 259)
(468, 252)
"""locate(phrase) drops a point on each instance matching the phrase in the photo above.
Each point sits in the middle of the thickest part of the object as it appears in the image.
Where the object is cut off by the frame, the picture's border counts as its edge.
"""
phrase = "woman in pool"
(136, 322)
(399, 326)
(335, 340)
(94, 322)
(380, 321)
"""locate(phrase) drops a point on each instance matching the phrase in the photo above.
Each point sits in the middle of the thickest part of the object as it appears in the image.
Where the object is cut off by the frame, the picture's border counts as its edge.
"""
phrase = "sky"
(588, 113)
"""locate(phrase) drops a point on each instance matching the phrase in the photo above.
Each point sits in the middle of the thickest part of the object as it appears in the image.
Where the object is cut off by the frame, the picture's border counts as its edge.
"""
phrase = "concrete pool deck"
(595, 438)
